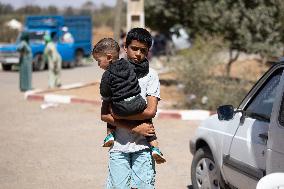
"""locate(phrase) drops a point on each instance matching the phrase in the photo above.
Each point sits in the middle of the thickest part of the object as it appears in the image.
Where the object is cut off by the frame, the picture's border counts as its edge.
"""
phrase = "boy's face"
(136, 51)
(103, 60)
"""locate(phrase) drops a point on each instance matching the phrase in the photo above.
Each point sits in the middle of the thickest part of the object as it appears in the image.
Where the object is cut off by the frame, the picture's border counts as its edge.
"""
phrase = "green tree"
(51, 10)
(161, 15)
(106, 16)
(251, 26)
(6, 8)
(87, 8)
(69, 11)
(30, 9)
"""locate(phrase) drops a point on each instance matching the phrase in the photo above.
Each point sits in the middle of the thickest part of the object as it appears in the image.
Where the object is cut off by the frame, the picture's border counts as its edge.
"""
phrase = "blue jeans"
(131, 170)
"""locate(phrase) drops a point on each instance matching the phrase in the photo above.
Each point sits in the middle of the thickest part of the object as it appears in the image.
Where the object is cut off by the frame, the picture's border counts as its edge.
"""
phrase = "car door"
(245, 162)
(275, 143)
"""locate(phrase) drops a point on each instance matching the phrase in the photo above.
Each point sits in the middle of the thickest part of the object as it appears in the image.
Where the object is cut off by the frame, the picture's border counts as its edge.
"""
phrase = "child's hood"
(121, 68)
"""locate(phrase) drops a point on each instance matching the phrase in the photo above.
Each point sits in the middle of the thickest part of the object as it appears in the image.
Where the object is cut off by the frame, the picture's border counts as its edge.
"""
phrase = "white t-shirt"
(125, 140)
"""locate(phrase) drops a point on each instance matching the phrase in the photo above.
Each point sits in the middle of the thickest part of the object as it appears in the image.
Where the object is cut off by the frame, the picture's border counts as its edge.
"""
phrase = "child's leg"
(154, 143)
(109, 140)
(156, 153)
(110, 130)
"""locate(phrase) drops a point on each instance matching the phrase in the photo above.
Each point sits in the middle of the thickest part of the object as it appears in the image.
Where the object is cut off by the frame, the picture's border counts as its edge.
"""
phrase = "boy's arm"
(148, 113)
(145, 129)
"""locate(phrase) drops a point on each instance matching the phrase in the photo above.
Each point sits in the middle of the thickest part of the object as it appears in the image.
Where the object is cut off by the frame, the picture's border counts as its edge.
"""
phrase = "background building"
(135, 14)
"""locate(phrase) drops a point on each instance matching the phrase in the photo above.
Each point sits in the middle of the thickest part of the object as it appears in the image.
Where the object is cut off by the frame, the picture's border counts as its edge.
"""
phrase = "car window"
(262, 101)
(281, 112)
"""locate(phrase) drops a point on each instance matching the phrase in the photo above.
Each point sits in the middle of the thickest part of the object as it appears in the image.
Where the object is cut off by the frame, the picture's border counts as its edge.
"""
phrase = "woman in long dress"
(25, 63)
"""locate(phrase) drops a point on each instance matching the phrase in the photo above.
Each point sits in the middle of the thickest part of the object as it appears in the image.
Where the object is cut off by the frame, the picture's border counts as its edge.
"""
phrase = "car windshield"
(35, 37)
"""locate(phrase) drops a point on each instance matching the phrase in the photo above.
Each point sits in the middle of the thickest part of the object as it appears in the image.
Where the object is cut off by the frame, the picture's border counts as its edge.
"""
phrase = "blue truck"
(72, 52)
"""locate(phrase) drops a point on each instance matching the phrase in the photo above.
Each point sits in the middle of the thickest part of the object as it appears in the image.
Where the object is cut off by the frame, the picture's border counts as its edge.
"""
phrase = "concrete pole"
(135, 14)
(117, 22)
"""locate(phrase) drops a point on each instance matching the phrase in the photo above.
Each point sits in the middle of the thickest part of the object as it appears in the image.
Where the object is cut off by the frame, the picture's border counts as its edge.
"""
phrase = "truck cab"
(236, 147)
(72, 51)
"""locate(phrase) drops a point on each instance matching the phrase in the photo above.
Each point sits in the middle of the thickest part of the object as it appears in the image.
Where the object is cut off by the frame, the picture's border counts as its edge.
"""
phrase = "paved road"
(60, 147)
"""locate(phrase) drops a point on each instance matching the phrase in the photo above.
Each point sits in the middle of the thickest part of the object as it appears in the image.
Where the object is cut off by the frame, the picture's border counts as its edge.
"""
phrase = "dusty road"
(60, 147)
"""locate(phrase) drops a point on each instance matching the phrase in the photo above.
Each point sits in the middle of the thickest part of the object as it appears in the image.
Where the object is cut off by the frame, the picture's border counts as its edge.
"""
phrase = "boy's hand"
(113, 115)
(145, 129)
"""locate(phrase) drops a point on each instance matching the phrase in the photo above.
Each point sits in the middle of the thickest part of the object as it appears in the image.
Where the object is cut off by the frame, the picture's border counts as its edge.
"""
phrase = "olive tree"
(250, 26)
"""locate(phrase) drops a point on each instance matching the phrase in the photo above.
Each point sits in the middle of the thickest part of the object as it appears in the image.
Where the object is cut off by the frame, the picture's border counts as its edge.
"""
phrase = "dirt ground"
(250, 70)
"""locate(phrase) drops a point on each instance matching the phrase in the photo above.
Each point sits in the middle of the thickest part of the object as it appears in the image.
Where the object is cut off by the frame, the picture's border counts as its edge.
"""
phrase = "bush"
(205, 84)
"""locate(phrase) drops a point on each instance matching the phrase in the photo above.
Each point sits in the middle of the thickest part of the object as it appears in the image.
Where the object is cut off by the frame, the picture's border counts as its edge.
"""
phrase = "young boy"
(131, 162)
(120, 88)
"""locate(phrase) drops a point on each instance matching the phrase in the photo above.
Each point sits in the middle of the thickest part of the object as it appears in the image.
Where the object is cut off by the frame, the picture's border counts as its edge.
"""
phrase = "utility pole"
(117, 23)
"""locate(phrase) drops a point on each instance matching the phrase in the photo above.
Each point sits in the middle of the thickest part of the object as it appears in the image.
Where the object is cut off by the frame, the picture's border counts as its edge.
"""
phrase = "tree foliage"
(161, 15)
(251, 26)
(204, 86)
(6, 8)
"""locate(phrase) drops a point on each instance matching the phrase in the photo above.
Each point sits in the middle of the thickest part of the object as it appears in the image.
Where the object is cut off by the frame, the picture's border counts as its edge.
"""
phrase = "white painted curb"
(51, 99)
(194, 114)
(184, 114)
(57, 98)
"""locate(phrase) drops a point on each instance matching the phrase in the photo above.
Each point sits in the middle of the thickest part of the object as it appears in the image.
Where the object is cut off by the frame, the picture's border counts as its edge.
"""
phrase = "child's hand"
(113, 115)
(145, 129)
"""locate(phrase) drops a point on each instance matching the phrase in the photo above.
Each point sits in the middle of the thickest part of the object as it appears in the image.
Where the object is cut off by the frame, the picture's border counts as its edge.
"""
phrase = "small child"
(120, 87)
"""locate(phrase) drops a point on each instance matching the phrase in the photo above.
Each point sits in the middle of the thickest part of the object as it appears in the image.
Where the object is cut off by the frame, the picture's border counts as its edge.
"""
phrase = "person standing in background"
(54, 62)
(25, 63)
(67, 36)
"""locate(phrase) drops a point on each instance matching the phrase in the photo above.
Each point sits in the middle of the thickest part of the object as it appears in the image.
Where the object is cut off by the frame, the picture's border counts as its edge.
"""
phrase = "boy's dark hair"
(107, 45)
(139, 34)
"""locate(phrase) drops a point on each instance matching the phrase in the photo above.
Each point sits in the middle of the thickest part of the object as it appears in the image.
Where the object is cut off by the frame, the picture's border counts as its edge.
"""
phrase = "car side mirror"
(225, 112)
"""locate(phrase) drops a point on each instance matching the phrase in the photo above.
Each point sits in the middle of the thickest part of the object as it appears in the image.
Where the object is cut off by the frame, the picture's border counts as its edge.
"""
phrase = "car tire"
(71, 64)
(204, 171)
(6, 67)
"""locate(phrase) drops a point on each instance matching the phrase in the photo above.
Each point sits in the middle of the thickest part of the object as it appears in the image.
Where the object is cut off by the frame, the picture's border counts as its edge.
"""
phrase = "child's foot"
(108, 141)
(157, 155)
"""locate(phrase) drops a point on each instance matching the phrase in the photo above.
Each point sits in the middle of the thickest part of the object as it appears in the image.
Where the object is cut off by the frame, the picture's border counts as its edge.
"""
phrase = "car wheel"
(70, 64)
(204, 171)
(6, 67)
(39, 62)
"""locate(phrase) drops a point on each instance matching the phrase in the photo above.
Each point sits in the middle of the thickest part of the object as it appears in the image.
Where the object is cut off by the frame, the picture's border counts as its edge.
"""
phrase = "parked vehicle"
(235, 148)
(72, 51)
(180, 38)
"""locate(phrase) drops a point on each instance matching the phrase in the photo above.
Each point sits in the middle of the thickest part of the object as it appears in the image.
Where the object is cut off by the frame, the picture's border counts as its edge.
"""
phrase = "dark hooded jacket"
(119, 81)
